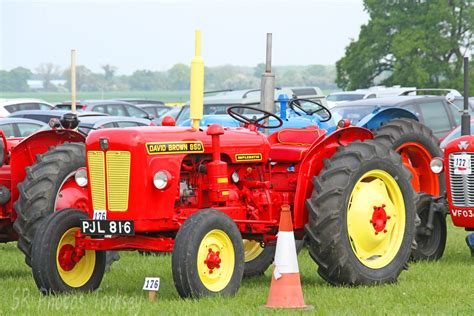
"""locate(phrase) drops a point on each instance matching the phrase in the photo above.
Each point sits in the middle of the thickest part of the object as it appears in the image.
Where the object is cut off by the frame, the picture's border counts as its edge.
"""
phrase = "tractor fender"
(25, 152)
(313, 162)
(378, 117)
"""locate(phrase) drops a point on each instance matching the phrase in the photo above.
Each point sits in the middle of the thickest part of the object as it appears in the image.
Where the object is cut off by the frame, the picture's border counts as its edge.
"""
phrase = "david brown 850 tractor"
(199, 192)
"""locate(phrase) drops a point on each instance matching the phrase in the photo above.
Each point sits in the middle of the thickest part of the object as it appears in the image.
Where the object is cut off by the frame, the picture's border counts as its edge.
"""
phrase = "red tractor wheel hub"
(213, 260)
(379, 219)
(68, 257)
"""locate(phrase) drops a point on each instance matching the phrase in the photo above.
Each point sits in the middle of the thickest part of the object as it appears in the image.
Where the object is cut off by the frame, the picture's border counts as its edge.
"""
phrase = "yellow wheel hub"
(252, 249)
(74, 274)
(376, 219)
(215, 260)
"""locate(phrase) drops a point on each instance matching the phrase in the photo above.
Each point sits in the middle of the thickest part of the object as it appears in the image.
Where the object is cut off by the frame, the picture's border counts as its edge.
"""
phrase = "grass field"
(444, 287)
(55, 97)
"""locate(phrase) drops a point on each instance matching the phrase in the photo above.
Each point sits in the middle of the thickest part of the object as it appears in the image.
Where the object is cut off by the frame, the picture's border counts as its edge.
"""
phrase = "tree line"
(175, 78)
(411, 43)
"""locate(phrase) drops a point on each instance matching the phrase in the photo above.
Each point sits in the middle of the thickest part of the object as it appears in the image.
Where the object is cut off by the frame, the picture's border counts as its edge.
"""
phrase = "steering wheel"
(254, 120)
(295, 103)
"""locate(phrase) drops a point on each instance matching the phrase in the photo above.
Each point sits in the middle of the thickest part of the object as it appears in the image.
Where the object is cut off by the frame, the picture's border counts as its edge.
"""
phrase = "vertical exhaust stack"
(73, 80)
(197, 84)
(267, 88)
(466, 117)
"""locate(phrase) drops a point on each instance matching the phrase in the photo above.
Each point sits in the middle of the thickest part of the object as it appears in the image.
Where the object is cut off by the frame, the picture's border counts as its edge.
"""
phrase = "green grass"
(55, 97)
(444, 287)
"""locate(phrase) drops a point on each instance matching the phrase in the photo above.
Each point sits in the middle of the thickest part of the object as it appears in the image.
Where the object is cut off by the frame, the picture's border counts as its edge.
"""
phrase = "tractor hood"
(165, 140)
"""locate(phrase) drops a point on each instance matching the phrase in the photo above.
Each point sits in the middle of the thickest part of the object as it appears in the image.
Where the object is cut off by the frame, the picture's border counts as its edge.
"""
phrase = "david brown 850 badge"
(186, 147)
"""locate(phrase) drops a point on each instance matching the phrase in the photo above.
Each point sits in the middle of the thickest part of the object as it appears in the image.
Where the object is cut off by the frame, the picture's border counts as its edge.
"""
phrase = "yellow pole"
(73, 80)
(197, 84)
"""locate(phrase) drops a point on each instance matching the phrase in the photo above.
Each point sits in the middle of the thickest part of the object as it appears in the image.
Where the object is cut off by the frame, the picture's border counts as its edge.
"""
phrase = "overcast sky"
(157, 34)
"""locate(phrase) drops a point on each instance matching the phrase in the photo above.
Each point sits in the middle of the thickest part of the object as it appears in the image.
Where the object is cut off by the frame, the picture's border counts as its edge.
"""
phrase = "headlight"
(235, 177)
(161, 179)
(436, 165)
(81, 177)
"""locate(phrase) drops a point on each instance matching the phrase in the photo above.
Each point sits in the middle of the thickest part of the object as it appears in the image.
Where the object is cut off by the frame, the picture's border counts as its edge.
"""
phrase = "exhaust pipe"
(466, 117)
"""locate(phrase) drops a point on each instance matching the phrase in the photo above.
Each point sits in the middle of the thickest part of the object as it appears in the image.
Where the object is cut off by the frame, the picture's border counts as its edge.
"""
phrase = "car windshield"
(345, 97)
(353, 113)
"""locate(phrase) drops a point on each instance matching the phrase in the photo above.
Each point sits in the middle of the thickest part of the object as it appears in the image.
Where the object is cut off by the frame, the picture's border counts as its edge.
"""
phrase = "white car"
(8, 106)
(370, 93)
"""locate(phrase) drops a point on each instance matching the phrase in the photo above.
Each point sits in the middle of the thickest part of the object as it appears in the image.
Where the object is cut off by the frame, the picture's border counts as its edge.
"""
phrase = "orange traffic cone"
(285, 289)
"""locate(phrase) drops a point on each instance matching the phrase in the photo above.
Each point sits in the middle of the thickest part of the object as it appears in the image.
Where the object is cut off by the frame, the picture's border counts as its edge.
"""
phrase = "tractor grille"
(116, 188)
(95, 160)
(462, 185)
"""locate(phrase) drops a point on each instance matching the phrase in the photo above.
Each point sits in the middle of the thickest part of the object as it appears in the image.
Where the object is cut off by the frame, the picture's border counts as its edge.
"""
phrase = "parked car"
(8, 106)
(154, 109)
(46, 115)
(140, 101)
(89, 123)
(369, 93)
(111, 107)
(19, 127)
(455, 133)
(433, 111)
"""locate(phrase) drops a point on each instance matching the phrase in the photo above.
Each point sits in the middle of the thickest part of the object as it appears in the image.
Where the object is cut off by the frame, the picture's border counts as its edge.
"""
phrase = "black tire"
(184, 260)
(430, 247)
(327, 229)
(397, 132)
(260, 264)
(44, 259)
(39, 190)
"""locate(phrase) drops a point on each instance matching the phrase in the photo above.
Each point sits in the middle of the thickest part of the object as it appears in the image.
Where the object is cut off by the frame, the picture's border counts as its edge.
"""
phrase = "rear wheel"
(57, 265)
(417, 145)
(430, 242)
(361, 216)
(208, 255)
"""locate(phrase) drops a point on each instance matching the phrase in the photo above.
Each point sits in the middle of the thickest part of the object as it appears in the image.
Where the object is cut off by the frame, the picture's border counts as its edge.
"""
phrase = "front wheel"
(208, 255)
(57, 265)
(361, 216)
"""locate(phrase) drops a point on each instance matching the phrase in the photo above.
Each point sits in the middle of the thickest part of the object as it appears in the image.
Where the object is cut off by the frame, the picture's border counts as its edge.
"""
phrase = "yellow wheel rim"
(252, 249)
(81, 271)
(376, 219)
(215, 260)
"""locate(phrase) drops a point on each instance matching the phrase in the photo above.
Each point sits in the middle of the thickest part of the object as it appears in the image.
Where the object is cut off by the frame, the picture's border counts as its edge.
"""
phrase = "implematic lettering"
(174, 147)
(248, 157)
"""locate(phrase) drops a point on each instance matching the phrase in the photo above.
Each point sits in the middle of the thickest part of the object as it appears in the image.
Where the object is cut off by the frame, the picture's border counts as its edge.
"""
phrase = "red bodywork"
(462, 215)
(272, 171)
(19, 154)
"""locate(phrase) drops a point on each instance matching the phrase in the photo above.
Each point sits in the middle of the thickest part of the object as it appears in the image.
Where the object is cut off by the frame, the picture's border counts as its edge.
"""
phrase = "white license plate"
(112, 228)
(462, 164)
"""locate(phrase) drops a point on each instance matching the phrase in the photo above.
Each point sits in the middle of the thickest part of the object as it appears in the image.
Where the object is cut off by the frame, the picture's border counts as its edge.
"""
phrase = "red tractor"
(37, 177)
(200, 192)
(458, 162)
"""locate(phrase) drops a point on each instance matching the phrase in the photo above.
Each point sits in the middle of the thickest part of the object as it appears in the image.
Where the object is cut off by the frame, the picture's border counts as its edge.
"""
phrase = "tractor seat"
(291, 144)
